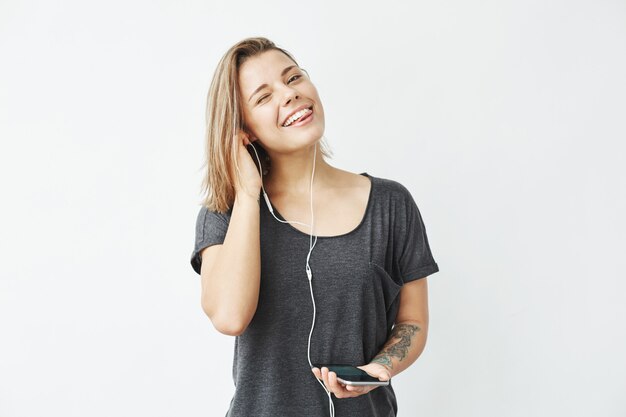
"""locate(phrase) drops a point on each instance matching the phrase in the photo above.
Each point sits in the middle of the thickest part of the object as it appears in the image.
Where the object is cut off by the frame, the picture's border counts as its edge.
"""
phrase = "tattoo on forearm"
(399, 349)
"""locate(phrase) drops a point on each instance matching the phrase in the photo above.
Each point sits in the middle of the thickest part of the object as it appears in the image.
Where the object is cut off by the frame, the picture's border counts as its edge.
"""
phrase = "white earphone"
(309, 273)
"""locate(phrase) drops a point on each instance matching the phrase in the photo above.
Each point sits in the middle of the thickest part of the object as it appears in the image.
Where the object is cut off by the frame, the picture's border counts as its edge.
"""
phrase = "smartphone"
(351, 375)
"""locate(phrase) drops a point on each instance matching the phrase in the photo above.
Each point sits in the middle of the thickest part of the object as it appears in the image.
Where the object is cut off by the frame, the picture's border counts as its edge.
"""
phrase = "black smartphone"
(351, 375)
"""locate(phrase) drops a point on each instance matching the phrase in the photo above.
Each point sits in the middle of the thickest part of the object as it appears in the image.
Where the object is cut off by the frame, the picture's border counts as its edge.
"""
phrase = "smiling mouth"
(298, 116)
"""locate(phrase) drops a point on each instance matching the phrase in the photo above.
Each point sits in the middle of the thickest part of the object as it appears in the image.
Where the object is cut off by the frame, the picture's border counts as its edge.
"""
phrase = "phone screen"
(353, 374)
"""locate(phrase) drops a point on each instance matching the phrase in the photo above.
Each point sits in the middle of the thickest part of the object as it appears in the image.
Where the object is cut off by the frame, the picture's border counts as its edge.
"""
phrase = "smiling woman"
(275, 124)
(225, 119)
(359, 299)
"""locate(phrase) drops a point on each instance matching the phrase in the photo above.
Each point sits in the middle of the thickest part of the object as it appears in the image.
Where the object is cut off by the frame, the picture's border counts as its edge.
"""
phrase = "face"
(281, 107)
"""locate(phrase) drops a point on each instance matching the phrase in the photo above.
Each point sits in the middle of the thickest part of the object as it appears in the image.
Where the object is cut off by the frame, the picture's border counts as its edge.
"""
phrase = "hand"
(349, 391)
(249, 177)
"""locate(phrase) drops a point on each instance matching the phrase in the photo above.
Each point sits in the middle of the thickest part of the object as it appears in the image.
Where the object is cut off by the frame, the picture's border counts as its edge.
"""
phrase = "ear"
(251, 137)
(248, 133)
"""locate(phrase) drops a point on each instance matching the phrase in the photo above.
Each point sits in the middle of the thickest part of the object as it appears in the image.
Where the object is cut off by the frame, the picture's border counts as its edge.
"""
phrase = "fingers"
(330, 380)
(377, 371)
(332, 383)
(338, 389)
(244, 167)
(358, 390)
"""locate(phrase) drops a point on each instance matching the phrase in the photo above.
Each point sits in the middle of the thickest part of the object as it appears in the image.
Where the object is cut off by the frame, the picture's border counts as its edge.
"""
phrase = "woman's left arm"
(408, 336)
(404, 346)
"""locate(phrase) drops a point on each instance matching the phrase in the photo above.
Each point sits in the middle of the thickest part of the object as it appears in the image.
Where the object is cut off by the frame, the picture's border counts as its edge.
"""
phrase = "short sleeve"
(414, 258)
(211, 230)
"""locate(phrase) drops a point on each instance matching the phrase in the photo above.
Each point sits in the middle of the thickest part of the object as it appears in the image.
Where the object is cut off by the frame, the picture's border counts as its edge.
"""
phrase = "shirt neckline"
(367, 210)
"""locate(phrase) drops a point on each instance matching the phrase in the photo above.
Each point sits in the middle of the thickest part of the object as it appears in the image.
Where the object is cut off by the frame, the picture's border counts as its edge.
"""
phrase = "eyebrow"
(262, 86)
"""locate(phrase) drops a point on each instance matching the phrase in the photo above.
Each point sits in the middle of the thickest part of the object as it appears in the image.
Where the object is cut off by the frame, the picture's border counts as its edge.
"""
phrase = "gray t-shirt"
(357, 277)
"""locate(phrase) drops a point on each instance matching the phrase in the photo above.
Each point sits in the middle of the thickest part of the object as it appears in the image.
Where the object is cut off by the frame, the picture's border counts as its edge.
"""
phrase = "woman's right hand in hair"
(250, 178)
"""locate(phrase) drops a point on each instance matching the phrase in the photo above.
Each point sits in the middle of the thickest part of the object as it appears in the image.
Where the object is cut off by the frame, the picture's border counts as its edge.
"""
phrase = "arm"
(231, 272)
(404, 346)
(409, 334)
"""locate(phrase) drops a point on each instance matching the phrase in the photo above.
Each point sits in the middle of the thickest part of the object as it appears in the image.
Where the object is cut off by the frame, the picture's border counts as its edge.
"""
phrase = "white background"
(506, 121)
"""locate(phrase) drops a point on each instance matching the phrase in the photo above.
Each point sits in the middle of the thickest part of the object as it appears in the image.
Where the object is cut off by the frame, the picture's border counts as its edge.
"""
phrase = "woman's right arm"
(231, 272)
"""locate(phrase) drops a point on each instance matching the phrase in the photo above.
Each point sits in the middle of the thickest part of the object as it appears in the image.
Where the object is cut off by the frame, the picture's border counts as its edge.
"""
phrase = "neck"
(291, 173)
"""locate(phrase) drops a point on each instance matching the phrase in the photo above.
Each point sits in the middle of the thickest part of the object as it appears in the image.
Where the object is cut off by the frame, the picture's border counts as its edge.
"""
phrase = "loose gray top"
(357, 277)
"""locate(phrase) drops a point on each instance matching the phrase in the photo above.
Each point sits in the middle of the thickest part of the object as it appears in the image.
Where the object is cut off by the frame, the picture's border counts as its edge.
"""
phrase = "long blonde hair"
(224, 117)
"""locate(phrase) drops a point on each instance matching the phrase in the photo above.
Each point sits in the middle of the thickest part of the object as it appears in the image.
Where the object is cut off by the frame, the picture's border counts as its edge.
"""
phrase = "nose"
(290, 95)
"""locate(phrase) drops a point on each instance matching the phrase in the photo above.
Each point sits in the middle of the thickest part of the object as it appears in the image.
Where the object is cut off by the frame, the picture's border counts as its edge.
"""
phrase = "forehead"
(262, 69)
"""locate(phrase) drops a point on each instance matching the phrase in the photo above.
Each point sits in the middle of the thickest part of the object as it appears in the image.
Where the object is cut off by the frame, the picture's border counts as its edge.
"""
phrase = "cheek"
(268, 117)
(262, 119)
(316, 97)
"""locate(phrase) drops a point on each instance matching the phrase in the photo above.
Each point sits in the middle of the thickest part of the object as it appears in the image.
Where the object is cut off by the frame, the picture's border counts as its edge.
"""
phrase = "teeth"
(296, 116)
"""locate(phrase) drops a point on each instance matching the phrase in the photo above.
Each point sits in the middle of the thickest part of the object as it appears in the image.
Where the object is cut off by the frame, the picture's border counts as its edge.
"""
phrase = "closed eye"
(262, 99)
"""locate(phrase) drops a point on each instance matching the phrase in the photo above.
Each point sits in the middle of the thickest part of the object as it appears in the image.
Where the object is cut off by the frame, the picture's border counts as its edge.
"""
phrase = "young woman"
(306, 264)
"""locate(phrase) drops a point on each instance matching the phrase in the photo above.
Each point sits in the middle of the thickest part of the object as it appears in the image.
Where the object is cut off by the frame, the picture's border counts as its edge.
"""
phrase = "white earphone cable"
(309, 273)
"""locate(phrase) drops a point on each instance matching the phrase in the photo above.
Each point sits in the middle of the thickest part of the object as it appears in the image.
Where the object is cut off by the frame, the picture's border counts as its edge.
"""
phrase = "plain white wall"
(506, 120)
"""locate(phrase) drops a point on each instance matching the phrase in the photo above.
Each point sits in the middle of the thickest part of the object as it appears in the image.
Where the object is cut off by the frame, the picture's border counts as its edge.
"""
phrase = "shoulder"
(205, 215)
(390, 189)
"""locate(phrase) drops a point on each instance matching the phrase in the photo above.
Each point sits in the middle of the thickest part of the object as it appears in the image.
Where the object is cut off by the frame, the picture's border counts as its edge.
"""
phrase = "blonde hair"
(224, 117)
